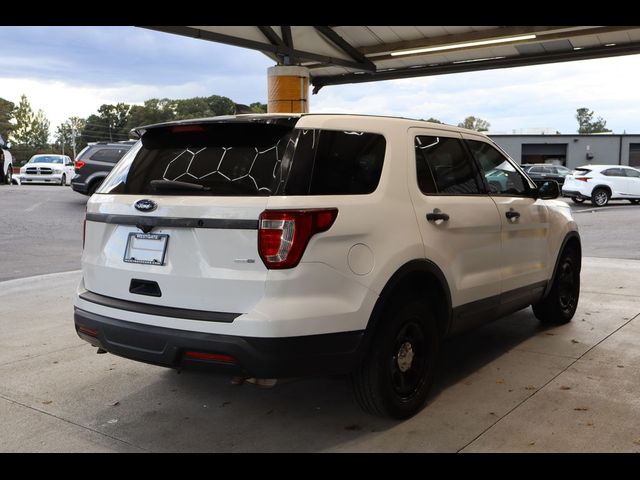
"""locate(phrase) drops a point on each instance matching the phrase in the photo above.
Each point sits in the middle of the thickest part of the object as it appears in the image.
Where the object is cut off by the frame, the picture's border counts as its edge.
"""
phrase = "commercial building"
(572, 150)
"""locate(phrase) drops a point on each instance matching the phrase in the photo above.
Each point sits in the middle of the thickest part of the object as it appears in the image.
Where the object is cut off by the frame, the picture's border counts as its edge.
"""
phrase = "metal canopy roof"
(351, 54)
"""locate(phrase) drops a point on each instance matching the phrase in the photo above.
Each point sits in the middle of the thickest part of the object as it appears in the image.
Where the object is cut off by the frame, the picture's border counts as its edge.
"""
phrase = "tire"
(635, 201)
(600, 197)
(63, 180)
(8, 175)
(577, 200)
(94, 186)
(560, 305)
(396, 375)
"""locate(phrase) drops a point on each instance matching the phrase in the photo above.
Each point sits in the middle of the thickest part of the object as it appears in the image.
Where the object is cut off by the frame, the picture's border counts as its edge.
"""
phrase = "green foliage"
(433, 120)
(68, 133)
(30, 133)
(6, 114)
(586, 123)
(259, 107)
(475, 123)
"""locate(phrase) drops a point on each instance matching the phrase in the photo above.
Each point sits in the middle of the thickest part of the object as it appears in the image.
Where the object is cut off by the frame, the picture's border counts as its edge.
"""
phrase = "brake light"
(78, 165)
(283, 235)
(187, 128)
(583, 179)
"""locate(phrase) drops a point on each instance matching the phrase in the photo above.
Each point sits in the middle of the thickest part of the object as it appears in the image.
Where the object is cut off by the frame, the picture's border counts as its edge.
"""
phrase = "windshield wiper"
(173, 185)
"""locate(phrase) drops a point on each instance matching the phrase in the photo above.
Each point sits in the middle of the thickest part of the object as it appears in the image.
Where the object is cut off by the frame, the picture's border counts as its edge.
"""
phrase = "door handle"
(437, 215)
(512, 214)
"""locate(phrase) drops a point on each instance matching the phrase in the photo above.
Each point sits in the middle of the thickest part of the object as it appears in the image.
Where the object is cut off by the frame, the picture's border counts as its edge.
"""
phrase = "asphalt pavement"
(510, 386)
(40, 230)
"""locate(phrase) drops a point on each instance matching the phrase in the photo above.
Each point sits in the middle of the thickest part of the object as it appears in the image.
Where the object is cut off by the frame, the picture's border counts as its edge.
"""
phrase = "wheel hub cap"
(405, 357)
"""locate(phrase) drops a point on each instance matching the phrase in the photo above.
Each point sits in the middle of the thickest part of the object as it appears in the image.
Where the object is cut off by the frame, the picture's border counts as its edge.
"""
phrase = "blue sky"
(71, 71)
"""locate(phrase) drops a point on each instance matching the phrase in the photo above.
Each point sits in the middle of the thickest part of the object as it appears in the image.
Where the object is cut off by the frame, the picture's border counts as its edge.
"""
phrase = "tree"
(258, 107)
(109, 125)
(586, 123)
(39, 131)
(475, 123)
(68, 139)
(433, 120)
(6, 114)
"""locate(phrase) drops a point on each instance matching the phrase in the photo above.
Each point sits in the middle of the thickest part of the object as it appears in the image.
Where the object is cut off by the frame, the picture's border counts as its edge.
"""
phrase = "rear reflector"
(215, 357)
(78, 165)
(87, 331)
(583, 179)
(283, 235)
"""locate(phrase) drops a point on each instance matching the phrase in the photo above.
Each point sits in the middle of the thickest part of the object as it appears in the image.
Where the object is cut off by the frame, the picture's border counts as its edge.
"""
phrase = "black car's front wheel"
(395, 377)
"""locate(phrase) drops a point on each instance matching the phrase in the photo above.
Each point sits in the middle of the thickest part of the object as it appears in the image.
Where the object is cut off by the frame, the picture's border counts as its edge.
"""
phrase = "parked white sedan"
(601, 183)
(47, 168)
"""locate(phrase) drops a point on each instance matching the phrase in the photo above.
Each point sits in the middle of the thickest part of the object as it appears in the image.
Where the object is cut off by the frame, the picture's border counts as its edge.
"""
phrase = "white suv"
(601, 183)
(274, 246)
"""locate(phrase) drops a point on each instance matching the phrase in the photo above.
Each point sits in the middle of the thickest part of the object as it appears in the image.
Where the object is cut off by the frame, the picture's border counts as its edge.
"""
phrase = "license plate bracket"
(146, 248)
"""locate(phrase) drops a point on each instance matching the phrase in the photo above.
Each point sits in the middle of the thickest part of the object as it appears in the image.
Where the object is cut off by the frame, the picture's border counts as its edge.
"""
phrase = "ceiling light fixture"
(609, 44)
(477, 43)
(478, 60)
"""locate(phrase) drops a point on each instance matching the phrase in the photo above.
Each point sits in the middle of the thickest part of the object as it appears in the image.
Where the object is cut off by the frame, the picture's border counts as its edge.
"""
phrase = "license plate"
(146, 248)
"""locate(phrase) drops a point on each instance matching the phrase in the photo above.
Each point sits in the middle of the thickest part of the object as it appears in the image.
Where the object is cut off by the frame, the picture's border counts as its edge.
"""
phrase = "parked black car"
(95, 162)
(542, 172)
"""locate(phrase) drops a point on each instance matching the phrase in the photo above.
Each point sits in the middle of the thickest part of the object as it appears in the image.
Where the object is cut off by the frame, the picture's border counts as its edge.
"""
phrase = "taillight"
(214, 357)
(78, 165)
(583, 179)
(283, 235)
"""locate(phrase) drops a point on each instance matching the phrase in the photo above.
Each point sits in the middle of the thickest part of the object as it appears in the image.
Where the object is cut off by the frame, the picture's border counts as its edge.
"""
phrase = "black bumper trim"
(326, 354)
(175, 222)
(159, 310)
(574, 194)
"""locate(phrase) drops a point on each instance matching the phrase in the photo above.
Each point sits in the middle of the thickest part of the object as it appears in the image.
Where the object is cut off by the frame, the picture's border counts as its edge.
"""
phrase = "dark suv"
(542, 172)
(95, 162)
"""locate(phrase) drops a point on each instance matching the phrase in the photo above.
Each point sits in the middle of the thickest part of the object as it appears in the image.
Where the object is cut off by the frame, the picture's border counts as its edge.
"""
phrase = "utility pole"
(73, 140)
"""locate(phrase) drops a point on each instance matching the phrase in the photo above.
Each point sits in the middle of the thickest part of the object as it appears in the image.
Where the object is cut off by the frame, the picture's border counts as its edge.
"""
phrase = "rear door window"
(500, 173)
(443, 167)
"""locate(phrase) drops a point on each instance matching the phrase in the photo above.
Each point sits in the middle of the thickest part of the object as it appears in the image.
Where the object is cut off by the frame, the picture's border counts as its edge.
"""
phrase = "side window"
(536, 170)
(500, 174)
(552, 170)
(613, 172)
(631, 173)
(443, 166)
(111, 155)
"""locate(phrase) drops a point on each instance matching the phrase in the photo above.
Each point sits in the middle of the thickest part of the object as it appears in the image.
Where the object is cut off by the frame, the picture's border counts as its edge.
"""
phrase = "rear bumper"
(325, 354)
(575, 194)
(79, 187)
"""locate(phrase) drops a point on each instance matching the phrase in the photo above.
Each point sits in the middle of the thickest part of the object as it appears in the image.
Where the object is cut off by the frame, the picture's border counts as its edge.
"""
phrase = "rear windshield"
(249, 159)
(581, 171)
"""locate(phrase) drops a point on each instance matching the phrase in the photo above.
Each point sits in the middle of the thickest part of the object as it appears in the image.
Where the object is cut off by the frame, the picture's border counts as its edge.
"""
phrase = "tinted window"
(552, 170)
(111, 155)
(343, 162)
(501, 175)
(613, 172)
(631, 173)
(250, 159)
(443, 166)
(536, 170)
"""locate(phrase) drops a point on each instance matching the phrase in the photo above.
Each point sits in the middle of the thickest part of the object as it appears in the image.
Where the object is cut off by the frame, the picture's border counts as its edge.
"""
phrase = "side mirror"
(549, 190)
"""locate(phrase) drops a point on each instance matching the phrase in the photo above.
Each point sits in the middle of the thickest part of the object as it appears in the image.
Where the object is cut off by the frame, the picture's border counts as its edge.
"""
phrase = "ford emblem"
(145, 205)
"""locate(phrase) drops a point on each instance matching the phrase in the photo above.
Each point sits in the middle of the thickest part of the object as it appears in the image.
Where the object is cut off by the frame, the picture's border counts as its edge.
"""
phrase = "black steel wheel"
(396, 375)
(560, 305)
